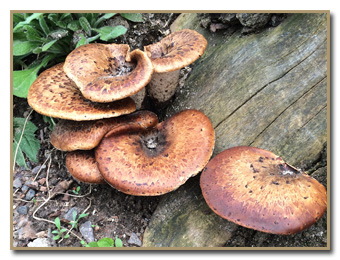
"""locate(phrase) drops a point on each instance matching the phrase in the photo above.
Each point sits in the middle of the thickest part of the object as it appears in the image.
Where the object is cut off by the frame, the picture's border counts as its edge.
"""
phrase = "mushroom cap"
(68, 135)
(54, 94)
(108, 72)
(176, 50)
(257, 189)
(83, 166)
(157, 161)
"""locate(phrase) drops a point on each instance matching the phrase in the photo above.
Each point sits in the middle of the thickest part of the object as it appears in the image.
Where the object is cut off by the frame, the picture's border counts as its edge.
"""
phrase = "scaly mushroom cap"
(157, 161)
(83, 167)
(108, 72)
(257, 189)
(176, 50)
(54, 94)
(70, 135)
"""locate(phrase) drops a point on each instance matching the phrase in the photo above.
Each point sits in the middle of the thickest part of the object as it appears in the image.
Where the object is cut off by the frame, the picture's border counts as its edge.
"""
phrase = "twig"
(22, 133)
(43, 164)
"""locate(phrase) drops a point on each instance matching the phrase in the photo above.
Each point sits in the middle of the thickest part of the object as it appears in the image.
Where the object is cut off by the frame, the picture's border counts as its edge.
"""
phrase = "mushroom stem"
(163, 86)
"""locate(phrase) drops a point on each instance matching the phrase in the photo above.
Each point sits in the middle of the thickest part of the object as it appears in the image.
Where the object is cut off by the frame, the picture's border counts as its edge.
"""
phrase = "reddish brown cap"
(70, 135)
(257, 189)
(157, 161)
(54, 94)
(83, 166)
(108, 72)
(176, 50)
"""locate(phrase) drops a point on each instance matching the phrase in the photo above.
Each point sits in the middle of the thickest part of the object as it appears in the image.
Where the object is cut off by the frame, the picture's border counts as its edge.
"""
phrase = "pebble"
(22, 210)
(37, 168)
(69, 214)
(24, 188)
(40, 242)
(17, 183)
(87, 231)
(30, 194)
(32, 184)
(134, 240)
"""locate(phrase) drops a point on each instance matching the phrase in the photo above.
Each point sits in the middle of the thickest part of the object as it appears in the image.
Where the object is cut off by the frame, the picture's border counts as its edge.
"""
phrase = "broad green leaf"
(84, 23)
(32, 34)
(118, 242)
(48, 45)
(23, 79)
(17, 18)
(82, 40)
(56, 237)
(28, 143)
(108, 32)
(103, 18)
(20, 158)
(27, 21)
(93, 38)
(133, 17)
(92, 244)
(74, 26)
(105, 242)
(22, 48)
(44, 25)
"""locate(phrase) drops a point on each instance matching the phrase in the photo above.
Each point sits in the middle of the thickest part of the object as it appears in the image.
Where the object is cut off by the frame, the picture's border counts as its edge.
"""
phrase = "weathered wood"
(267, 90)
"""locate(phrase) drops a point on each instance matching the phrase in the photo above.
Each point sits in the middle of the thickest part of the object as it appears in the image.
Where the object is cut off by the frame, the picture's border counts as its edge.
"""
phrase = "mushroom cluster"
(95, 94)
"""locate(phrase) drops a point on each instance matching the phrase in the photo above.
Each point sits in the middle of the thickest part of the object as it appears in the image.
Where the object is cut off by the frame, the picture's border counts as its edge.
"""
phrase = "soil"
(111, 213)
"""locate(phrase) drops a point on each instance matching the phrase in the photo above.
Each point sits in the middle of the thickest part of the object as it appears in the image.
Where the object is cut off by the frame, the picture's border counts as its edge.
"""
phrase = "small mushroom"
(156, 161)
(257, 189)
(168, 56)
(108, 72)
(70, 135)
(54, 94)
(83, 166)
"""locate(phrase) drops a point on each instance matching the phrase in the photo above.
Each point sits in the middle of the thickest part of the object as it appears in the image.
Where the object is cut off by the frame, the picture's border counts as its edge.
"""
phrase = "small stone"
(87, 231)
(69, 214)
(32, 184)
(37, 168)
(25, 188)
(22, 210)
(134, 240)
(42, 181)
(40, 242)
(30, 194)
(17, 183)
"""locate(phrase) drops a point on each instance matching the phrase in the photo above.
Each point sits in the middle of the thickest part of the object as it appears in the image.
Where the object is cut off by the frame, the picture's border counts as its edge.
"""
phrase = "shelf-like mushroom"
(168, 56)
(108, 72)
(83, 166)
(70, 135)
(54, 94)
(257, 189)
(159, 160)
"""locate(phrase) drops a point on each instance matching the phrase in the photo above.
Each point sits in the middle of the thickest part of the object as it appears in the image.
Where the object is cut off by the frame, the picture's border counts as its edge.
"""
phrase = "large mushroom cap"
(54, 94)
(83, 166)
(257, 189)
(70, 135)
(157, 161)
(176, 50)
(108, 72)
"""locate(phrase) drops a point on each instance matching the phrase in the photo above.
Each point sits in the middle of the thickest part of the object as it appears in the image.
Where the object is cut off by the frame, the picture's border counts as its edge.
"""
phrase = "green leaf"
(17, 18)
(22, 48)
(56, 237)
(32, 34)
(83, 215)
(84, 23)
(57, 222)
(48, 45)
(118, 242)
(50, 121)
(44, 25)
(92, 244)
(108, 32)
(74, 26)
(23, 79)
(82, 40)
(105, 242)
(133, 17)
(103, 18)
(28, 144)
(67, 236)
(27, 21)
(55, 232)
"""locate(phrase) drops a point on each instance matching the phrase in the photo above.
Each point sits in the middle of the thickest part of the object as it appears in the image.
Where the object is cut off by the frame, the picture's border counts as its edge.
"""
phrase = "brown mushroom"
(54, 94)
(83, 166)
(257, 189)
(168, 56)
(70, 135)
(157, 161)
(108, 72)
